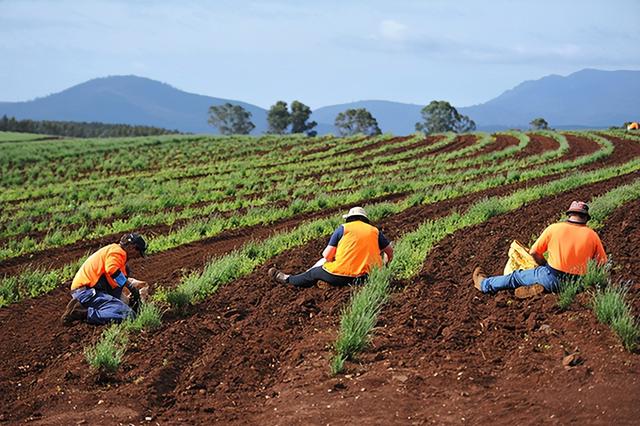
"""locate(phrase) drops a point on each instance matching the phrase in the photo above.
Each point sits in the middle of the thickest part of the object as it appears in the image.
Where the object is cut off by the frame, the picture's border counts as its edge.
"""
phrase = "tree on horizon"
(230, 119)
(356, 120)
(441, 116)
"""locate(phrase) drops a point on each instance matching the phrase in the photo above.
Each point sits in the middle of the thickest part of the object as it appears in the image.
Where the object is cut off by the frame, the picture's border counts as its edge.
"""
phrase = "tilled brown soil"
(257, 352)
(499, 143)
(537, 145)
(444, 353)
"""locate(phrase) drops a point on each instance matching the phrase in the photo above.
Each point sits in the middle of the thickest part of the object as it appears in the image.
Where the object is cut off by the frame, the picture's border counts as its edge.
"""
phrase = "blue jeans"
(103, 306)
(545, 275)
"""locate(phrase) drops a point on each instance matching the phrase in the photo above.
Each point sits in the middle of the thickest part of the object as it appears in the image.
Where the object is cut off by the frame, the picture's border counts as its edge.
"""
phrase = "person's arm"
(329, 253)
(540, 260)
(388, 250)
(385, 246)
(540, 247)
(600, 256)
(114, 268)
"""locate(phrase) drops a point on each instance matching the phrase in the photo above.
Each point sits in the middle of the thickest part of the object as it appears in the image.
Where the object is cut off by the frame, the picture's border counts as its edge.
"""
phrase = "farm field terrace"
(234, 347)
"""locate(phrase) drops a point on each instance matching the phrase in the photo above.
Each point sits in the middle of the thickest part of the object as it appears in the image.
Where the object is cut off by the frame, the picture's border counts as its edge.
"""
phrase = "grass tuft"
(609, 304)
(597, 276)
(107, 354)
(149, 318)
(360, 317)
(611, 308)
(568, 291)
(628, 329)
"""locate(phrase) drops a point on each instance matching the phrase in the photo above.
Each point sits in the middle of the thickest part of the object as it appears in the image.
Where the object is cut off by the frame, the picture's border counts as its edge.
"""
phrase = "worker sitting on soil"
(96, 289)
(570, 246)
(353, 249)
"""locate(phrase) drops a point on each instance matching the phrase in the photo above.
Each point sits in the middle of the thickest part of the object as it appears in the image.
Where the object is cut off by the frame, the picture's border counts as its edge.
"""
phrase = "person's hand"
(134, 299)
(137, 283)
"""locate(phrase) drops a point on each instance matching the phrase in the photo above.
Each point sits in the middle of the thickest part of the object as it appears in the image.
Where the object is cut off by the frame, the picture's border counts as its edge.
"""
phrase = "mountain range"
(585, 99)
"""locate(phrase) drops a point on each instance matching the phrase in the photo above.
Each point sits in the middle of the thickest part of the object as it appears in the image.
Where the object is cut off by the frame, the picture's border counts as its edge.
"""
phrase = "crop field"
(416, 344)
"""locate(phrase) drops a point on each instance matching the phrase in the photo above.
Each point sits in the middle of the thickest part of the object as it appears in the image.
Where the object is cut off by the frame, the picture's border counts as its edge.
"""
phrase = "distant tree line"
(78, 129)
(229, 119)
(232, 119)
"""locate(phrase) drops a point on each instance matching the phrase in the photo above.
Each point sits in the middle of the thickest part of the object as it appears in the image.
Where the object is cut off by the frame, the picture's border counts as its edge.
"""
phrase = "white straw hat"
(356, 211)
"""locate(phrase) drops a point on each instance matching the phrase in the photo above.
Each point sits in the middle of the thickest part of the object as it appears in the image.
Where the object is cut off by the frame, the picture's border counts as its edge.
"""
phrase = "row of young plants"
(423, 193)
(161, 153)
(260, 153)
(410, 254)
(622, 134)
(20, 137)
(87, 158)
(20, 223)
(360, 316)
(609, 302)
(217, 224)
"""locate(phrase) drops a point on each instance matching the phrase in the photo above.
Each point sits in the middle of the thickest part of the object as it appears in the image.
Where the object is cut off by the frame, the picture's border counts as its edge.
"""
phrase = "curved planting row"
(87, 158)
(60, 237)
(54, 256)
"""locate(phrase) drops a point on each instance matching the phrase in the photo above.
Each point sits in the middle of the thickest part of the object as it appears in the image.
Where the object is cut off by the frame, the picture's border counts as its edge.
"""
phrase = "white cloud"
(393, 30)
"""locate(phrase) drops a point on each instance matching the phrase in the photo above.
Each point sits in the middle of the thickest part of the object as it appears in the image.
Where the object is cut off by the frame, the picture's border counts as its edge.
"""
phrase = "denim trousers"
(545, 275)
(103, 306)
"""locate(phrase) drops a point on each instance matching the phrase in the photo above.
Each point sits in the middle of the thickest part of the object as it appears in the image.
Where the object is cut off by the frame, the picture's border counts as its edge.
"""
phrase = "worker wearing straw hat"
(353, 250)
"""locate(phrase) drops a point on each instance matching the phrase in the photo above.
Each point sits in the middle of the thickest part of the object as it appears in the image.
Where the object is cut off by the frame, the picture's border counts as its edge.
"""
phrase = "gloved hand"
(134, 299)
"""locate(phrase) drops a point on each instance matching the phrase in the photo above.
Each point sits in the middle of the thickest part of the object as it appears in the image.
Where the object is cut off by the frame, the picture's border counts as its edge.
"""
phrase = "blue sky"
(319, 52)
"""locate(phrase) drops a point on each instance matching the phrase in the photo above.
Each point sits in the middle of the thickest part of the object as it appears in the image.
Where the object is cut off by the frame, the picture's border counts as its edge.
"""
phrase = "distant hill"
(587, 98)
(129, 100)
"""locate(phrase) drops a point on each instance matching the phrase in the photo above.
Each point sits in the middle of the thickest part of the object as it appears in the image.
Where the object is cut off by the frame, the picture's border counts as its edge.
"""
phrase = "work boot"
(478, 276)
(278, 276)
(74, 312)
(527, 291)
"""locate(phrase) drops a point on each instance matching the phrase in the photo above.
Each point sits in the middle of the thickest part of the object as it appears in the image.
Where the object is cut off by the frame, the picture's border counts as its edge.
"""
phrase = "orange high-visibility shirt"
(357, 252)
(106, 261)
(570, 246)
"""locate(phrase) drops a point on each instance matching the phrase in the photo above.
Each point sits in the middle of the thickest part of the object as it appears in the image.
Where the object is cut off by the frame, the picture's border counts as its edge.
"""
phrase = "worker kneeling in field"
(353, 249)
(96, 290)
(570, 244)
